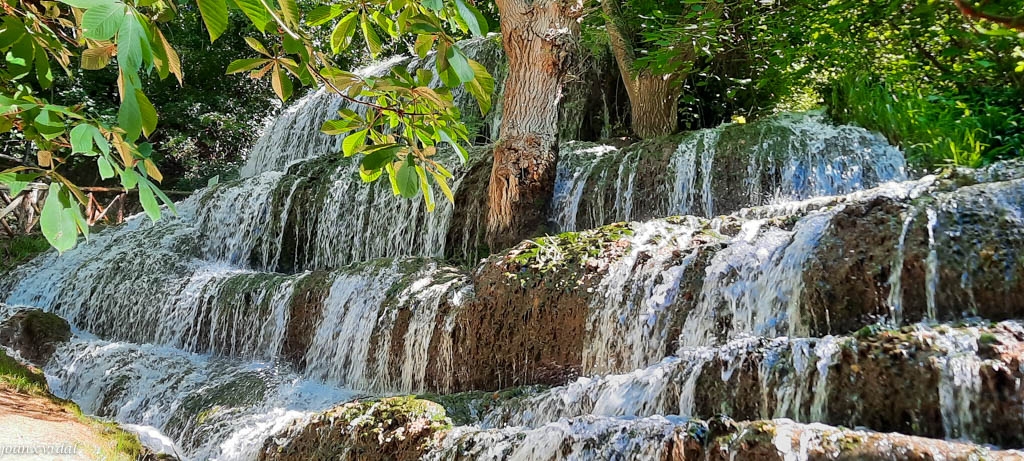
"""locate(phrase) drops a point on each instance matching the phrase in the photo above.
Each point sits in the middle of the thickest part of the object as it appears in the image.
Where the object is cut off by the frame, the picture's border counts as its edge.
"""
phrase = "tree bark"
(538, 36)
(653, 99)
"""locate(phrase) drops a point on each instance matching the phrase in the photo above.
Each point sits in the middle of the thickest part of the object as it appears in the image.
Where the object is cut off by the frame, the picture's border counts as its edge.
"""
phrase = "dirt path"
(36, 428)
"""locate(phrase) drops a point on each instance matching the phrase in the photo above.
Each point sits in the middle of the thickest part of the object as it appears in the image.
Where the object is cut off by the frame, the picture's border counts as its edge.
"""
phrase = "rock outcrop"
(34, 334)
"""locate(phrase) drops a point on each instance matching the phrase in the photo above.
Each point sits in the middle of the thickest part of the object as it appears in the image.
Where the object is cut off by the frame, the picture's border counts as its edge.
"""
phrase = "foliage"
(20, 249)
(206, 121)
(965, 129)
(401, 129)
(405, 121)
(33, 35)
(920, 72)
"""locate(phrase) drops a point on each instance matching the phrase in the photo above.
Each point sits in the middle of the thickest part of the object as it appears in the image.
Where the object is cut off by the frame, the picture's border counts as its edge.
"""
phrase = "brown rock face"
(517, 332)
(889, 382)
(34, 334)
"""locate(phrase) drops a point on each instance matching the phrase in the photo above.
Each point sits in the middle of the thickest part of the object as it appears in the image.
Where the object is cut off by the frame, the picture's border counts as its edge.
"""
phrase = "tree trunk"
(653, 104)
(653, 99)
(537, 36)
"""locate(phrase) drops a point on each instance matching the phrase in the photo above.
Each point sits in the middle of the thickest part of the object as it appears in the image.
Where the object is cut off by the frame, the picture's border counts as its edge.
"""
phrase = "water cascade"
(780, 272)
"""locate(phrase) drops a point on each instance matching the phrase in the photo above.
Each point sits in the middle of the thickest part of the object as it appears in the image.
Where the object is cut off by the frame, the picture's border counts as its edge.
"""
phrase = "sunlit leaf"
(215, 16)
(103, 20)
(57, 221)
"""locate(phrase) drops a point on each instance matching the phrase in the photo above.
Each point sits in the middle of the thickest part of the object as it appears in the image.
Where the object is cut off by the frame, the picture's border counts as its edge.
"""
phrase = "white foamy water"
(213, 408)
(788, 157)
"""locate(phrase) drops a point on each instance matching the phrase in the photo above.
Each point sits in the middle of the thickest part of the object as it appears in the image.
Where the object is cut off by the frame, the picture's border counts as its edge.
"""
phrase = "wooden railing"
(19, 214)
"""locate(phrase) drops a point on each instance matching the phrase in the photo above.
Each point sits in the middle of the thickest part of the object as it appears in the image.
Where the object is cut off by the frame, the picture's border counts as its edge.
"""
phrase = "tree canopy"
(943, 79)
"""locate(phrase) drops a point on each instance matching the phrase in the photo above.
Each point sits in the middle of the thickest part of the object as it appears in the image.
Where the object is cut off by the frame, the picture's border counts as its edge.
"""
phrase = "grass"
(20, 249)
(22, 379)
(933, 129)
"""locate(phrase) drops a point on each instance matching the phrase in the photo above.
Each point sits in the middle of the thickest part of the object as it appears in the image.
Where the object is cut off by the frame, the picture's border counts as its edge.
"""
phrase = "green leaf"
(215, 16)
(161, 195)
(447, 138)
(57, 221)
(282, 83)
(474, 20)
(129, 116)
(242, 65)
(373, 41)
(257, 46)
(408, 181)
(336, 127)
(482, 87)
(101, 142)
(48, 126)
(377, 159)
(324, 13)
(43, 72)
(103, 20)
(256, 12)
(368, 175)
(392, 178)
(461, 65)
(442, 182)
(148, 200)
(17, 182)
(354, 142)
(435, 5)
(106, 169)
(19, 57)
(133, 49)
(290, 12)
(148, 113)
(84, 4)
(428, 195)
(341, 36)
(424, 43)
(129, 179)
(13, 31)
(81, 138)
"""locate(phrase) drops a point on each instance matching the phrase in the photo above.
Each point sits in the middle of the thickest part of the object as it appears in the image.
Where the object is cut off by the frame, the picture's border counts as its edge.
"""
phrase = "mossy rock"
(34, 334)
(395, 428)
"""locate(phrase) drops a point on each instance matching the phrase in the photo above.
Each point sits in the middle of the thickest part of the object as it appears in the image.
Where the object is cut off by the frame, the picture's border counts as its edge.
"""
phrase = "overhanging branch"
(970, 11)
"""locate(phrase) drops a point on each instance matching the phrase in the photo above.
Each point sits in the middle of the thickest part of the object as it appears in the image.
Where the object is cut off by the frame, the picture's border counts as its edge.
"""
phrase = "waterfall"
(295, 135)
(774, 269)
(762, 378)
(629, 320)
(780, 159)
(214, 408)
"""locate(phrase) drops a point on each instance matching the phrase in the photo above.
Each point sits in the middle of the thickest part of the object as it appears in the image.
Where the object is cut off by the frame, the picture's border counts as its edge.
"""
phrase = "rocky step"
(940, 382)
(606, 300)
(407, 429)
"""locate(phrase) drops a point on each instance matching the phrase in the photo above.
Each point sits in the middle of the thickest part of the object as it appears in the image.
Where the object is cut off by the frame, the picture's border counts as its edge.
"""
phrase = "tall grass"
(933, 129)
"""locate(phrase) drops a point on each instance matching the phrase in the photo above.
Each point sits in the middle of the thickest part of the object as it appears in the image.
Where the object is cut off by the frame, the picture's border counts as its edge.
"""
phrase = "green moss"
(203, 406)
(566, 255)
(849, 441)
(987, 339)
(466, 408)
(19, 250)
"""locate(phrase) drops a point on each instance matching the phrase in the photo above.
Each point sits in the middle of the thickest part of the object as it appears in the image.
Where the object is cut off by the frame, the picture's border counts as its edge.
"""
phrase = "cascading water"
(784, 158)
(266, 301)
(296, 135)
(214, 408)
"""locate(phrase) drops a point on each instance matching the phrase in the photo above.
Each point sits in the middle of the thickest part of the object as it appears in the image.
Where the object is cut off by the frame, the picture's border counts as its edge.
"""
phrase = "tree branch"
(1010, 22)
